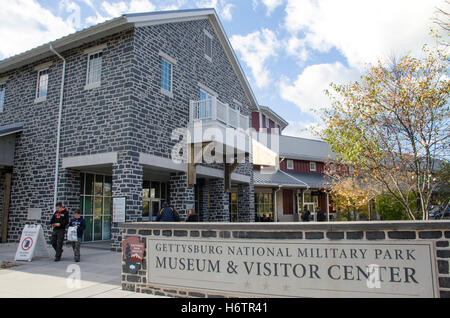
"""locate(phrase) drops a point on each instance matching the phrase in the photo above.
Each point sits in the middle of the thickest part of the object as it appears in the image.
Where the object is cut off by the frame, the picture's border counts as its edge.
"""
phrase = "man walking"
(59, 221)
(167, 214)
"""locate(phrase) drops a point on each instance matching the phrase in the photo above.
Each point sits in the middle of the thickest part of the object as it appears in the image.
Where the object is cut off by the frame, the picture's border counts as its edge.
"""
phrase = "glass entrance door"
(153, 194)
(96, 206)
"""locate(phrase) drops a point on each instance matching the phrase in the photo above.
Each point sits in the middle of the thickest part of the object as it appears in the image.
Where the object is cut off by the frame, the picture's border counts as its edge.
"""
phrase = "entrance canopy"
(8, 143)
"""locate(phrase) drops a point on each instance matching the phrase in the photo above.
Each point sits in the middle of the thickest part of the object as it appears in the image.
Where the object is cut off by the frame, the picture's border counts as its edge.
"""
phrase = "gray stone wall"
(94, 121)
(437, 232)
(127, 114)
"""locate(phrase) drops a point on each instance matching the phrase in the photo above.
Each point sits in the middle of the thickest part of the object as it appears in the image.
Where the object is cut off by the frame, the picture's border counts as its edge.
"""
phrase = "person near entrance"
(320, 215)
(59, 222)
(78, 222)
(192, 216)
(306, 214)
(167, 214)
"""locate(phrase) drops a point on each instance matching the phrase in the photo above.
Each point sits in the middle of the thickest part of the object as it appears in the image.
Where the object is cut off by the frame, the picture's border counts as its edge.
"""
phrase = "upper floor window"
(166, 75)
(42, 85)
(208, 45)
(312, 166)
(2, 97)
(94, 70)
(267, 122)
(290, 164)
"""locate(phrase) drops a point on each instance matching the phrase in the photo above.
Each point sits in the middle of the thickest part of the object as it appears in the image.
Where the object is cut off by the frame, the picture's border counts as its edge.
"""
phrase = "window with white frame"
(312, 166)
(166, 75)
(42, 84)
(208, 45)
(290, 164)
(2, 97)
(94, 69)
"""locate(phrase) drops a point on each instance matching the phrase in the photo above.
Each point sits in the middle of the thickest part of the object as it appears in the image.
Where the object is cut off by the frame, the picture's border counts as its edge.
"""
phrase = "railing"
(213, 109)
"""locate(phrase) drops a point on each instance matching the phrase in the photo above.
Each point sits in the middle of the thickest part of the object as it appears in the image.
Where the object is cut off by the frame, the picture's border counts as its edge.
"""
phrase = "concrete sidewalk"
(100, 273)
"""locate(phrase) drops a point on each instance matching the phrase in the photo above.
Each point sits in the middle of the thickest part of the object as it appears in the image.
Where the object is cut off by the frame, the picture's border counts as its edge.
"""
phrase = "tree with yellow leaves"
(393, 126)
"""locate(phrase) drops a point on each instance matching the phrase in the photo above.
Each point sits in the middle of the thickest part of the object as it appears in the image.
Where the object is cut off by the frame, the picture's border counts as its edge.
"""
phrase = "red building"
(300, 182)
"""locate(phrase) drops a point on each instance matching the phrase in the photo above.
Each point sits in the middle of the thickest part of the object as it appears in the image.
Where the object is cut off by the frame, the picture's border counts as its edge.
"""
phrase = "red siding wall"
(302, 166)
(255, 120)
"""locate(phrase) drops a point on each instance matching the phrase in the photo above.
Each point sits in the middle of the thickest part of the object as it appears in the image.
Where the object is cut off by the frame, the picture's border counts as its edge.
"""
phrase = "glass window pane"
(107, 206)
(155, 208)
(97, 228)
(145, 209)
(98, 185)
(155, 191)
(81, 184)
(98, 206)
(106, 234)
(88, 205)
(108, 186)
(89, 183)
(163, 190)
(87, 236)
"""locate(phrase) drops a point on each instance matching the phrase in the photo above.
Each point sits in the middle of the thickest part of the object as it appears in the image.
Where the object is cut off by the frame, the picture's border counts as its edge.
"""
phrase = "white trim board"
(90, 160)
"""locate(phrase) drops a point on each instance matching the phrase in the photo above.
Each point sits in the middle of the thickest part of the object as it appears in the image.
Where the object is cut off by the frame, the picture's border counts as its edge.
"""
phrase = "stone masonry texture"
(127, 114)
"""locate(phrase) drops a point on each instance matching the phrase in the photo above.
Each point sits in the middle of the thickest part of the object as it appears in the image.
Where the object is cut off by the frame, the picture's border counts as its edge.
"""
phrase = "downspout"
(58, 138)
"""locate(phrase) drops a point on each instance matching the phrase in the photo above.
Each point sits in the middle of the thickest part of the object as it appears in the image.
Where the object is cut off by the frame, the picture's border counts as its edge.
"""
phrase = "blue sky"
(290, 50)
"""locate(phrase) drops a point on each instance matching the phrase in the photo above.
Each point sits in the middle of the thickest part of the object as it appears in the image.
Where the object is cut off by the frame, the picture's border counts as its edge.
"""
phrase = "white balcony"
(212, 120)
(215, 110)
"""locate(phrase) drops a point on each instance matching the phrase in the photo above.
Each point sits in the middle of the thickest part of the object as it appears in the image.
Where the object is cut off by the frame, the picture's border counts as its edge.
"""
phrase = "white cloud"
(301, 129)
(307, 91)
(256, 48)
(363, 31)
(272, 5)
(116, 9)
(25, 24)
(223, 7)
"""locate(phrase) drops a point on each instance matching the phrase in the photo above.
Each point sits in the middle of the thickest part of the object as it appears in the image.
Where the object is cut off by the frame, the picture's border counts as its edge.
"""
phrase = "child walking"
(78, 222)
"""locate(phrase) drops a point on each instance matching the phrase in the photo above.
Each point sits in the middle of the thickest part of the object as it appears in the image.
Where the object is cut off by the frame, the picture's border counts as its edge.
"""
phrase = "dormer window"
(290, 164)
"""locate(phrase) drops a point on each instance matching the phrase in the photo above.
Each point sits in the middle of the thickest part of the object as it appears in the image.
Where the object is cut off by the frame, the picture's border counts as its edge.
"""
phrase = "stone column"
(181, 198)
(127, 179)
(219, 201)
(246, 203)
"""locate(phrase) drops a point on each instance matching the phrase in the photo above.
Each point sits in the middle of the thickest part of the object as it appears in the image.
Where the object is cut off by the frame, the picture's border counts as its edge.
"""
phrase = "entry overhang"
(8, 143)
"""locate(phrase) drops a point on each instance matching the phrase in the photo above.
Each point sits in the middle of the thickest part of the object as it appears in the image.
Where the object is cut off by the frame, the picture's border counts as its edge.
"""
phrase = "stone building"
(129, 86)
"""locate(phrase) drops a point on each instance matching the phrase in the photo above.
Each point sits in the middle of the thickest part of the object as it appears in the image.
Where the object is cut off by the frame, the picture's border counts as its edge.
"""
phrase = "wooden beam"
(229, 168)
(6, 202)
(192, 170)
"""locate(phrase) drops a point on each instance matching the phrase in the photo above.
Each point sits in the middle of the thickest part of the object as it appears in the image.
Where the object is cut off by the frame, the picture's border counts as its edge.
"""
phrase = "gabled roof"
(291, 179)
(304, 149)
(128, 21)
(270, 113)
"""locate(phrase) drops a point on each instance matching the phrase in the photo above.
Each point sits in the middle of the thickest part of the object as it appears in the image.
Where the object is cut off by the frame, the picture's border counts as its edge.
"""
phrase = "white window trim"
(167, 57)
(208, 90)
(44, 98)
(310, 166)
(169, 60)
(95, 49)
(99, 83)
(42, 67)
(290, 167)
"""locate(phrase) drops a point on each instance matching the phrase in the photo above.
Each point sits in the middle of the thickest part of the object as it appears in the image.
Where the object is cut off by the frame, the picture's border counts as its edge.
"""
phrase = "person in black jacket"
(59, 222)
(78, 222)
(192, 217)
(167, 214)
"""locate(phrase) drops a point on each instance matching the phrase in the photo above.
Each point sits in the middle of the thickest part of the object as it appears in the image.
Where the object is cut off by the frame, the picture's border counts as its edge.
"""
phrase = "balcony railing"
(213, 109)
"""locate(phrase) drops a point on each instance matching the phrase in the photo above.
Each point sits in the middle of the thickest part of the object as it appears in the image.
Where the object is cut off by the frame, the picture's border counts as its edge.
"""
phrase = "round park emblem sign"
(27, 243)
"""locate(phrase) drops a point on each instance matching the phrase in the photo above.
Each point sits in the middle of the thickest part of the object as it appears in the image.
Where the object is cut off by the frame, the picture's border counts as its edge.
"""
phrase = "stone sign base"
(348, 259)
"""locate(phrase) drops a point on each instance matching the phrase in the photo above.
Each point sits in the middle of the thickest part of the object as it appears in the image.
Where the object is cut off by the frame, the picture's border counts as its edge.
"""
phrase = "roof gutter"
(58, 138)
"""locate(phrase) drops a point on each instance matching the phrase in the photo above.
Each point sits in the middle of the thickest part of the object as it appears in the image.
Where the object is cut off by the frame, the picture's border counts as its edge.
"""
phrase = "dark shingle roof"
(293, 179)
